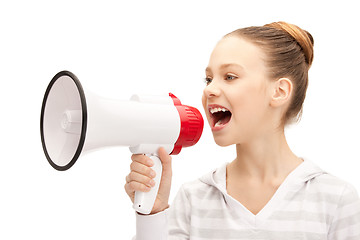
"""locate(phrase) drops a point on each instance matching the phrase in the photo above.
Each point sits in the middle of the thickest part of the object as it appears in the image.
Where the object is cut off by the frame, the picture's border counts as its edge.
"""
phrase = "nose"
(212, 90)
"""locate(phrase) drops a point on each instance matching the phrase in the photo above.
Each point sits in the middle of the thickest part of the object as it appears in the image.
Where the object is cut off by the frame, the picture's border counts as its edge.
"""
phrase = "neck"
(266, 158)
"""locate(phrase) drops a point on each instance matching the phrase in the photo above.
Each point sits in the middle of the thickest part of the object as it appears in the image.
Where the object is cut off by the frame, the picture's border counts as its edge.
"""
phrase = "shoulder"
(342, 204)
(318, 191)
(320, 182)
(199, 190)
(331, 184)
(205, 188)
(332, 193)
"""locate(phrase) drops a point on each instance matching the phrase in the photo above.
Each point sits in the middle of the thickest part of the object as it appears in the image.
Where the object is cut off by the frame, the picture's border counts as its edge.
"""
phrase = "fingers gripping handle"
(144, 201)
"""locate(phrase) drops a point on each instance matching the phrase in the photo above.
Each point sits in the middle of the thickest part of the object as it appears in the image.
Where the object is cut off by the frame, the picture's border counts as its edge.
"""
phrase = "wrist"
(161, 209)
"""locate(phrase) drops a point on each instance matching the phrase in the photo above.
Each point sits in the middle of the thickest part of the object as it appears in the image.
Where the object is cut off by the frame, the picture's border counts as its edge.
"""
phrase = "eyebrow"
(223, 66)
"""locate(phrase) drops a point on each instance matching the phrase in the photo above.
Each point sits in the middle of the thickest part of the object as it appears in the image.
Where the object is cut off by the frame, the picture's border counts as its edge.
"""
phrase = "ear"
(282, 90)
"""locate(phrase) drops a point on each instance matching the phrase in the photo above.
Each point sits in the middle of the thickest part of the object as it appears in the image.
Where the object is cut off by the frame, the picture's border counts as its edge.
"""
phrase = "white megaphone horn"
(74, 121)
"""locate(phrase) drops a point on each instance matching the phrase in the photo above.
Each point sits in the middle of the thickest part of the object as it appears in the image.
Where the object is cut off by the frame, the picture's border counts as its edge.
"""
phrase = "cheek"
(249, 104)
(203, 100)
(204, 103)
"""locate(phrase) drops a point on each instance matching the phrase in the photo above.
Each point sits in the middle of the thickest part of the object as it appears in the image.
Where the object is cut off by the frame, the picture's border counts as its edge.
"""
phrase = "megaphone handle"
(144, 201)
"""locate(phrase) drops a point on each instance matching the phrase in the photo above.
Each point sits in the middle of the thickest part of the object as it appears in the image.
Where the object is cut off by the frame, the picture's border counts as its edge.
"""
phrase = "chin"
(222, 142)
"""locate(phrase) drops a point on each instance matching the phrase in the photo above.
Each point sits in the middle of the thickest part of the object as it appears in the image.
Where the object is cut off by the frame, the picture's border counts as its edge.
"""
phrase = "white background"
(117, 48)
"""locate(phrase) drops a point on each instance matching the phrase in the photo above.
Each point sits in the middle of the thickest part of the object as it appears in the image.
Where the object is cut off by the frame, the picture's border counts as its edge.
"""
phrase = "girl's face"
(237, 96)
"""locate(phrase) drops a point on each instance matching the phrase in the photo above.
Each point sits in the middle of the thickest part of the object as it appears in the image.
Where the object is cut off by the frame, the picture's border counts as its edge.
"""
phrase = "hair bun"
(303, 38)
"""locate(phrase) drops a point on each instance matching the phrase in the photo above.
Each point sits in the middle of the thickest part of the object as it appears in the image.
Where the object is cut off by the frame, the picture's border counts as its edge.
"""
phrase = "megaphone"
(74, 121)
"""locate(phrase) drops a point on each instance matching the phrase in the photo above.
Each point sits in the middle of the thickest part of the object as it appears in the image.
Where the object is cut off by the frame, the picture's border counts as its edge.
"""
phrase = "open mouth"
(220, 116)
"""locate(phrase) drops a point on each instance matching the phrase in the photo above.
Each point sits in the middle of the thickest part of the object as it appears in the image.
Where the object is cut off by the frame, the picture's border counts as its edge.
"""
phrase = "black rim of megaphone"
(84, 120)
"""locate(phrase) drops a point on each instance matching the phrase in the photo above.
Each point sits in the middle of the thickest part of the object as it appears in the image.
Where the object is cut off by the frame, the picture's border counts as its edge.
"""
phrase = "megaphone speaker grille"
(63, 120)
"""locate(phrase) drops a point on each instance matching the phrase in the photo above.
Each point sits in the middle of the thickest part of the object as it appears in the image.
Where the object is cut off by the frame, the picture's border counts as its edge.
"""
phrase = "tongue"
(218, 123)
(223, 120)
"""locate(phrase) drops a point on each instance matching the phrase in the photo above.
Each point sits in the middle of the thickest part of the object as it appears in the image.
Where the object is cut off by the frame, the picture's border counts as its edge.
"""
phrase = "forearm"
(152, 227)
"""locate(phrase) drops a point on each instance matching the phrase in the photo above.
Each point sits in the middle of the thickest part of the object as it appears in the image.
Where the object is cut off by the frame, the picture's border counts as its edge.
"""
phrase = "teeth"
(214, 110)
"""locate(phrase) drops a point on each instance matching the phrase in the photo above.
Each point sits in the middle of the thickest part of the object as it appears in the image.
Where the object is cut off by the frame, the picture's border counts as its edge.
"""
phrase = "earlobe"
(282, 91)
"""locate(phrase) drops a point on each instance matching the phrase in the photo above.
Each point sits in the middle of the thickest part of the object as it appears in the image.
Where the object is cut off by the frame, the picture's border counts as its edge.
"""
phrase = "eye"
(207, 80)
(230, 77)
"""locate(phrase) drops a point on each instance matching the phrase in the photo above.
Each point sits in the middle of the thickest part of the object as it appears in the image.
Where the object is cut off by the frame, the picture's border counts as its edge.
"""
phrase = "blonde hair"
(289, 53)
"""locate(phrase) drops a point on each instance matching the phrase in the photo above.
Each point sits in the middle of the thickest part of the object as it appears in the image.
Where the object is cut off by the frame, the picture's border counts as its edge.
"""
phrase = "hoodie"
(309, 204)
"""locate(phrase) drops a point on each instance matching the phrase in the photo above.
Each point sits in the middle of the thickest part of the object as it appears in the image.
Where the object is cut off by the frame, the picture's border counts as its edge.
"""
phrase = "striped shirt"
(310, 204)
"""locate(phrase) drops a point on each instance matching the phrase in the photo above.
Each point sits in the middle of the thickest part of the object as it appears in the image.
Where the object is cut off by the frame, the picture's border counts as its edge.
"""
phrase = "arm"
(346, 222)
(152, 227)
(172, 223)
(156, 226)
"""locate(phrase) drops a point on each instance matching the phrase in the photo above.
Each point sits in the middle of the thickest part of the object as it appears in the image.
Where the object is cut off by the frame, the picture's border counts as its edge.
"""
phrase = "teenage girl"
(256, 82)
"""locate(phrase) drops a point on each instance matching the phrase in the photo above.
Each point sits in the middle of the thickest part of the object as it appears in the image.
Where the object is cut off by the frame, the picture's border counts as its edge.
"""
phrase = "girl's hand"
(141, 177)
